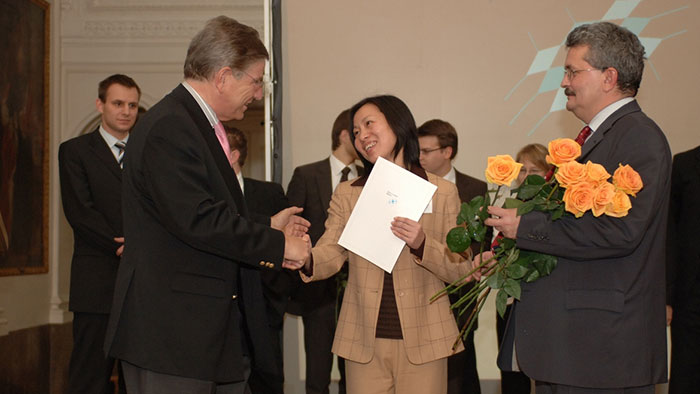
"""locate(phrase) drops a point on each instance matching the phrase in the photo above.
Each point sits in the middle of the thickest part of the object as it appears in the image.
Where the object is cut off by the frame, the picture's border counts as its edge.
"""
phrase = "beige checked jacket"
(429, 329)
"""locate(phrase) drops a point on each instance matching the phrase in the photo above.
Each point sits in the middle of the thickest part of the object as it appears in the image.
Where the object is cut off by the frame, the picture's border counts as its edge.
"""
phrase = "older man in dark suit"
(91, 183)
(188, 313)
(597, 323)
(438, 147)
(684, 272)
(311, 188)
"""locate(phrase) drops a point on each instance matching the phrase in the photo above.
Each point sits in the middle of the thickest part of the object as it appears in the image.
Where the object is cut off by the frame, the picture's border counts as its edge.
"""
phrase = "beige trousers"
(390, 372)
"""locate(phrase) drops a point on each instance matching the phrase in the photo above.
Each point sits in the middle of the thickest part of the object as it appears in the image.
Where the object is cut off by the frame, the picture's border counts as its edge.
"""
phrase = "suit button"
(262, 263)
(233, 297)
(401, 294)
(270, 265)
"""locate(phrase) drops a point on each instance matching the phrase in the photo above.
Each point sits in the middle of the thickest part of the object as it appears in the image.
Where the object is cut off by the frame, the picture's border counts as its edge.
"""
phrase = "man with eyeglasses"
(597, 323)
(438, 147)
(188, 313)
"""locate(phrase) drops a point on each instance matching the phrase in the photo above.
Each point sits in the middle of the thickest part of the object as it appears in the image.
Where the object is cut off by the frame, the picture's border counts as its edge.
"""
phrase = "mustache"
(569, 92)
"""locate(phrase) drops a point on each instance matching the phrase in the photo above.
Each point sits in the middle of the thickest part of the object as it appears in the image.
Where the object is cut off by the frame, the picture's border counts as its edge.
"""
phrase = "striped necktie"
(121, 145)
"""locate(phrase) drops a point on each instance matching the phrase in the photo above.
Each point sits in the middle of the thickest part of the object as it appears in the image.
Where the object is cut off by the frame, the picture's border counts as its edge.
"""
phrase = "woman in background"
(393, 338)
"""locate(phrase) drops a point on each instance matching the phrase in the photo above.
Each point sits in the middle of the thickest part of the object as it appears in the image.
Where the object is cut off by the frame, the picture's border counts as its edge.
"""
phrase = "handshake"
(297, 244)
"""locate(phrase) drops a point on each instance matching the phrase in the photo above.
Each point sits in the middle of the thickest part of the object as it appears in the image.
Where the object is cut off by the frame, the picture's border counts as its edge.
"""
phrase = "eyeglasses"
(571, 73)
(426, 151)
(256, 82)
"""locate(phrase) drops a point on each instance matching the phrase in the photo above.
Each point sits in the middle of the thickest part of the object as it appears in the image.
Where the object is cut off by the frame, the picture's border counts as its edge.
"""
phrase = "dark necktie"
(344, 176)
(580, 139)
(121, 145)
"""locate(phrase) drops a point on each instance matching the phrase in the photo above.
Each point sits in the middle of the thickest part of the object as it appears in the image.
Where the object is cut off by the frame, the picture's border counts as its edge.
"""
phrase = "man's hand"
(504, 220)
(120, 250)
(296, 251)
(408, 231)
(287, 221)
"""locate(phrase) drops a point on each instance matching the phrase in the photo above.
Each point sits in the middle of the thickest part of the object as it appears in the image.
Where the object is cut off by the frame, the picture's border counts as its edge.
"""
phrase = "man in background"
(265, 199)
(438, 147)
(311, 188)
(188, 313)
(683, 251)
(91, 190)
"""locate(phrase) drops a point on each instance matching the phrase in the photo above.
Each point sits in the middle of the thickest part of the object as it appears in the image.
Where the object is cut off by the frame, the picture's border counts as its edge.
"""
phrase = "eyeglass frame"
(571, 73)
(426, 151)
(257, 82)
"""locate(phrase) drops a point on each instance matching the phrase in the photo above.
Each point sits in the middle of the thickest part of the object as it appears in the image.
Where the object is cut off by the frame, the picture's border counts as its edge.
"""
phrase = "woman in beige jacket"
(393, 338)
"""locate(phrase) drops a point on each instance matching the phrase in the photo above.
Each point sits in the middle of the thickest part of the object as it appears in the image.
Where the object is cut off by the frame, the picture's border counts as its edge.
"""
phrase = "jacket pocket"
(200, 285)
(606, 300)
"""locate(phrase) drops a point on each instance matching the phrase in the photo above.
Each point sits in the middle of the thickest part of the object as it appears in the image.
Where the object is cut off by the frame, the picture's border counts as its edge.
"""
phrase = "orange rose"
(603, 195)
(620, 205)
(596, 172)
(579, 198)
(570, 174)
(502, 169)
(563, 150)
(628, 180)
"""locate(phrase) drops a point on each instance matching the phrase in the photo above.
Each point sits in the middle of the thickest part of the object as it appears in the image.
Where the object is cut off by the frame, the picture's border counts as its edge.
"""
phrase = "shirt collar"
(109, 138)
(606, 112)
(337, 166)
(451, 175)
(208, 111)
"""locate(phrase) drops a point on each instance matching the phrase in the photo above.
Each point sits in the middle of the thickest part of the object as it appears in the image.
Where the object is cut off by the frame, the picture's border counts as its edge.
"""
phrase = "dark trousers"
(90, 370)
(549, 388)
(685, 353)
(462, 376)
(511, 382)
(319, 329)
(142, 381)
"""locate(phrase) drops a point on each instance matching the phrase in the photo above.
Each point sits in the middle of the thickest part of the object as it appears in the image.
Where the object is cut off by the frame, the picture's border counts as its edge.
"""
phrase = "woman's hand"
(408, 231)
(481, 264)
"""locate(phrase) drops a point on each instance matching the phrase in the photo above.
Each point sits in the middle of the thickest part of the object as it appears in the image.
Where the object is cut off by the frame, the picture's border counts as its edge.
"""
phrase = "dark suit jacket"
(267, 198)
(188, 295)
(599, 319)
(683, 249)
(91, 182)
(311, 189)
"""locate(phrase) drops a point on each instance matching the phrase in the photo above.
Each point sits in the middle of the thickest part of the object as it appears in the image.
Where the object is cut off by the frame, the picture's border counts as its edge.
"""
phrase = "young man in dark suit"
(188, 313)
(683, 251)
(265, 199)
(438, 147)
(311, 188)
(597, 323)
(91, 181)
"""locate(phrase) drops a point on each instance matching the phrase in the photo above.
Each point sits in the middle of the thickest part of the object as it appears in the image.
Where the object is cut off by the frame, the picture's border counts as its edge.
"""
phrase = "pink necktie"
(221, 136)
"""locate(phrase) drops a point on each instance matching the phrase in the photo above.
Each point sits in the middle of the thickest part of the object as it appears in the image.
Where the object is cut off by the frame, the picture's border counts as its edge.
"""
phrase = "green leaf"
(463, 213)
(528, 191)
(479, 234)
(512, 287)
(558, 213)
(532, 276)
(516, 271)
(501, 302)
(512, 203)
(506, 243)
(495, 281)
(534, 180)
(477, 202)
(458, 239)
(526, 207)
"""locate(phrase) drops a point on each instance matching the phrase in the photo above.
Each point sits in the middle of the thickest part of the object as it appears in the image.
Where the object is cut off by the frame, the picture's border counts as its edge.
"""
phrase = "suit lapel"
(324, 183)
(207, 131)
(104, 153)
(606, 126)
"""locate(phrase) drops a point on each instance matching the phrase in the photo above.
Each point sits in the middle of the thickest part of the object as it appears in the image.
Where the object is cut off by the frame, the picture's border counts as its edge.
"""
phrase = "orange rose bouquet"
(571, 188)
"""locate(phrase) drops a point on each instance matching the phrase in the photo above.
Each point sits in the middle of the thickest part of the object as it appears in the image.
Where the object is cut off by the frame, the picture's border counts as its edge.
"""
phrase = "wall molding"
(3, 323)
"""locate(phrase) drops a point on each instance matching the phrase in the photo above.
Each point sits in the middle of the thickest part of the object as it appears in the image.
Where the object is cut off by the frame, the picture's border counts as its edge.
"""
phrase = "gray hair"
(223, 43)
(610, 45)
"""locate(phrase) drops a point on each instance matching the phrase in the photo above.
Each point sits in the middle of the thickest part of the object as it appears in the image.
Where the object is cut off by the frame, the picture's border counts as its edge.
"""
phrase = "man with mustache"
(597, 323)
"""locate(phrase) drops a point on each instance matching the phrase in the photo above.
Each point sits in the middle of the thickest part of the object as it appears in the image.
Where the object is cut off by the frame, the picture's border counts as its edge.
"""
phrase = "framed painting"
(24, 143)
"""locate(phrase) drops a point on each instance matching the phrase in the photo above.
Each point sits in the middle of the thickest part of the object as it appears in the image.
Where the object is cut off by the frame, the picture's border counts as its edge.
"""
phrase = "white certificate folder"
(390, 191)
